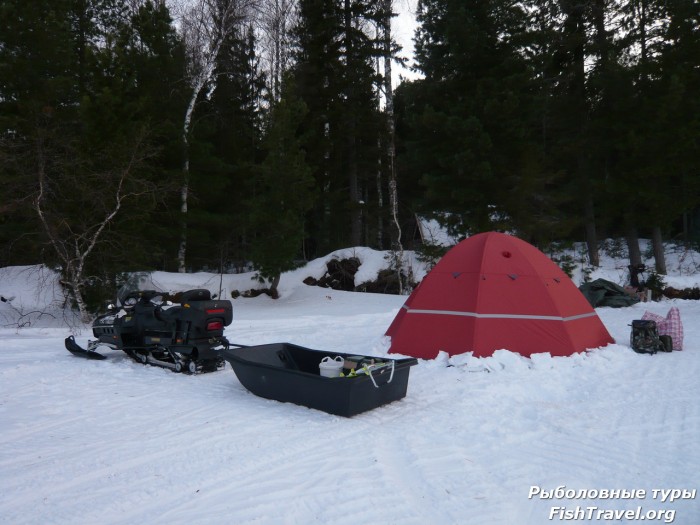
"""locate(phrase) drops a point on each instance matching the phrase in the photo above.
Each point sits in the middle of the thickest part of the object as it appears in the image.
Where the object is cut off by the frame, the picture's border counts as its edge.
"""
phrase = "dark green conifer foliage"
(77, 134)
(142, 67)
(284, 192)
(335, 77)
(667, 150)
(37, 92)
(226, 150)
(318, 71)
(553, 118)
(680, 59)
(468, 130)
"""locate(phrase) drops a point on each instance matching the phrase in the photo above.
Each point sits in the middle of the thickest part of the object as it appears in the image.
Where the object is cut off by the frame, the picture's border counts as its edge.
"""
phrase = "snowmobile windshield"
(138, 285)
(144, 296)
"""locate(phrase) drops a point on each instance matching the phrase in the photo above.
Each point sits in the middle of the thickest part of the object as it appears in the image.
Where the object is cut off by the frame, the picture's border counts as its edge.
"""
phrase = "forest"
(254, 134)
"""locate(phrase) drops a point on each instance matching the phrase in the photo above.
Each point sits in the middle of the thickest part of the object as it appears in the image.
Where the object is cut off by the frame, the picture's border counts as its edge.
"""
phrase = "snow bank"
(33, 296)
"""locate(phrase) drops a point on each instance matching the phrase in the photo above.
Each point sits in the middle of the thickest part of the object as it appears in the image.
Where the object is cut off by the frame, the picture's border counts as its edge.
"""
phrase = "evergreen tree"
(659, 154)
(335, 77)
(78, 140)
(206, 26)
(467, 127)
(680, 58)
(145, 63)
(317, 75)
(284, 193)
(361, 125)
(571, 125)
(37, 71)
(226, 150)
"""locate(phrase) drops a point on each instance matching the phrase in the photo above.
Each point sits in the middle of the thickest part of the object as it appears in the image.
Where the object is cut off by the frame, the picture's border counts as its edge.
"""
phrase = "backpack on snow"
(645, 338)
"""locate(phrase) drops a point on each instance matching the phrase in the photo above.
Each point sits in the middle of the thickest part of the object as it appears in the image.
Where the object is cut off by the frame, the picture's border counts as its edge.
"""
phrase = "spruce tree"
(660, 153)
(80, 141)
(680, 58)
(226, 148)
(37, 94)
(466, 121)
(145, 63)
(317, 74)
(284, 192)
(336, 49)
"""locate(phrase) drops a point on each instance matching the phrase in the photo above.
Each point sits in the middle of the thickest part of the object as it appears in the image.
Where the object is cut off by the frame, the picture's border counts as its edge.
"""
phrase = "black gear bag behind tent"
(645, 338)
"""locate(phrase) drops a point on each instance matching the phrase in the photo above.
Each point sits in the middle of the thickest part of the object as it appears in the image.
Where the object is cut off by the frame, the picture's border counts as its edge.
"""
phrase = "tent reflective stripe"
(494, 291)
(500, 316)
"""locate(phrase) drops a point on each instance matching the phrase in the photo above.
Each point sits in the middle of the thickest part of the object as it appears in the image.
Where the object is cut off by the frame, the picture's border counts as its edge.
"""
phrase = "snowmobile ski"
(75, 349)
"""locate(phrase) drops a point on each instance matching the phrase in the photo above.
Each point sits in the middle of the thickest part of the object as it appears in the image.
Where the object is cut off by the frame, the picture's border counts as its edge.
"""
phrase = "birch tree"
(75, 237)
(388, 90)
(276, 19)
(75, 142)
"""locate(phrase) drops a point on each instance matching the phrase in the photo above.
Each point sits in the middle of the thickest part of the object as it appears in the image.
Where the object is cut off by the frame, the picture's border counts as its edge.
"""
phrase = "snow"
(432, 232)
(115, 442)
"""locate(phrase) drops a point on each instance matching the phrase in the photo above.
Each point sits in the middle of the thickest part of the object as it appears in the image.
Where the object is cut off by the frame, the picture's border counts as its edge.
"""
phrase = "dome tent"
(494, 291)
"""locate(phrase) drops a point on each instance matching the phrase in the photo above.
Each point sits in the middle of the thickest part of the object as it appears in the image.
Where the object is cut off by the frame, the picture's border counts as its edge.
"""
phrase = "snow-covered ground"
(473, 442)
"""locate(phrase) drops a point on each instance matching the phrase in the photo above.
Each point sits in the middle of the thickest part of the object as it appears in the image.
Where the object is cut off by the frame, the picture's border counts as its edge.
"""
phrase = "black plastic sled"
(184, 337)
(290, 373)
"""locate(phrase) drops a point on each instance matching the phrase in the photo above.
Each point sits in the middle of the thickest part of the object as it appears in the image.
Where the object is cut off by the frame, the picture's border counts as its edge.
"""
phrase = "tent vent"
(456, 274)
(513, 276)
(506, 254)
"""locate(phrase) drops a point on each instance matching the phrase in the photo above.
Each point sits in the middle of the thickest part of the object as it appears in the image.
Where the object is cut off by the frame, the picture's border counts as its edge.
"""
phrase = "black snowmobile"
(184, 337)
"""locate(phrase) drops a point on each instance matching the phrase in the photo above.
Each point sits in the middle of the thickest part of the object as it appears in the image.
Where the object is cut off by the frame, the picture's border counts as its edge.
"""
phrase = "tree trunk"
(380, 169)
(355, 201)
(658, 246)
(276, 17)
(184, 189)
(380, 202)
(632, 238)
(182, 250)
(350, 131)
(574, 27)
(391, 145)
(273, 286)
(276, 67)
(591, 234)
(74, 285)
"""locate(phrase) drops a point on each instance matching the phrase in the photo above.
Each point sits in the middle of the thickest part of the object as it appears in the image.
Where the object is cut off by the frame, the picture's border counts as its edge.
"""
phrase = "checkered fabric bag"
(670, 325)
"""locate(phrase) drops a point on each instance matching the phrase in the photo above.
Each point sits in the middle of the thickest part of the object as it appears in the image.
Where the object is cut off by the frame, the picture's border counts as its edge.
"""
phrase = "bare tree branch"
(74, 243)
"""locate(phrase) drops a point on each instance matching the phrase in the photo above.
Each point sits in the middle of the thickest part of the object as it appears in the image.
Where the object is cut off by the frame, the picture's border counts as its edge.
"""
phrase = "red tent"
(493, 291)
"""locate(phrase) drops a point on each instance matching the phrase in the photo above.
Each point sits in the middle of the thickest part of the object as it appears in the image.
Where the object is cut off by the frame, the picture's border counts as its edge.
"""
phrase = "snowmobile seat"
(198, 294)
(169, 314)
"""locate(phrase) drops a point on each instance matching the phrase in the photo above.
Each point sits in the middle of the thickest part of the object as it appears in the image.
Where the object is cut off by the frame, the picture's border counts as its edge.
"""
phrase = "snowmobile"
(185, 337)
